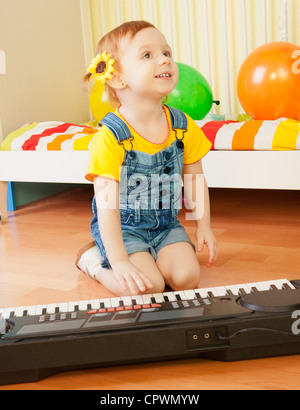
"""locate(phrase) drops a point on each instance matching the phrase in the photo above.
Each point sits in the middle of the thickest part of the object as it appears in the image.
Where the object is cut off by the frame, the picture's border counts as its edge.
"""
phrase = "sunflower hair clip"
(101, 67)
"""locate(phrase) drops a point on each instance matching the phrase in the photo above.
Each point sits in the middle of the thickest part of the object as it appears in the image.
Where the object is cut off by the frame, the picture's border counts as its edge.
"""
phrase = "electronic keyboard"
(227, 323)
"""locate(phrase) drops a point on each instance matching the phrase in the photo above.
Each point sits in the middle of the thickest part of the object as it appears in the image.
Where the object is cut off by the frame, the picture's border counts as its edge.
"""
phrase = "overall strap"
(121, 131)
(178, 118)
(117, 126)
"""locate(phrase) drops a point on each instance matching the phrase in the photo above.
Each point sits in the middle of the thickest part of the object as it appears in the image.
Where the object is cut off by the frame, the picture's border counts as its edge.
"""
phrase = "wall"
(193, 20)
(45, 60)
(43, 44)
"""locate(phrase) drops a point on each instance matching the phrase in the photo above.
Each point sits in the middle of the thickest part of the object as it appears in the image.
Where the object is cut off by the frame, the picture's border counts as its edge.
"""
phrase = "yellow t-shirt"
(107, 155)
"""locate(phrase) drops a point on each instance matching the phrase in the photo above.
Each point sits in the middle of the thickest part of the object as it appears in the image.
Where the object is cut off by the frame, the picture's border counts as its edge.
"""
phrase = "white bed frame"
(223, 169)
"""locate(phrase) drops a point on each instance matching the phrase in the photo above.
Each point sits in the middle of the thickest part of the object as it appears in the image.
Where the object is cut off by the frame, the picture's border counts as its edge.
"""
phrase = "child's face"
(148, 68)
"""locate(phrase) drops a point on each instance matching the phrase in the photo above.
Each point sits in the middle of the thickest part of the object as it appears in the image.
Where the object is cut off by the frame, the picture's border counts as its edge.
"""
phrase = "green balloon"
(192, 94)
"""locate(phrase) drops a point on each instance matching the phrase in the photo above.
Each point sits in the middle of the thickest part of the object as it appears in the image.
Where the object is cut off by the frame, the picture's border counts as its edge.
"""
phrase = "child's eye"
(147, 55)
(167, 53)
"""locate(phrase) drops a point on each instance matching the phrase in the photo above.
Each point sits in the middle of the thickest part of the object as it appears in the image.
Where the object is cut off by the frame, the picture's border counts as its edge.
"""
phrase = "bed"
(244, 154)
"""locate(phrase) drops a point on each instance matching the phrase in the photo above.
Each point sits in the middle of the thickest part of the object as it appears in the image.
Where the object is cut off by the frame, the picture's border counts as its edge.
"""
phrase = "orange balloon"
(268, 83)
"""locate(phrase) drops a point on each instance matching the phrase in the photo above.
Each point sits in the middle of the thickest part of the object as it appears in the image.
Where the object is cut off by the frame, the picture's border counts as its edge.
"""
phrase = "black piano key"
(76, 308)
(229, 292)
(210, 294)
(295, 283)
(25, 312)
(134, 302)
(166, 298)
(89, 306)
(273, 287)
(56, 309)
(44, 311)
(121, 303)
(242, 292)
(198, 295)
(254, 289)
(178, 297)
(153, 299)
(286, 286)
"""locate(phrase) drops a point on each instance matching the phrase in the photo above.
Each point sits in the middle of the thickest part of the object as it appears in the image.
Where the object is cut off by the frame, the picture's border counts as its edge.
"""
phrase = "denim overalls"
(150, 192)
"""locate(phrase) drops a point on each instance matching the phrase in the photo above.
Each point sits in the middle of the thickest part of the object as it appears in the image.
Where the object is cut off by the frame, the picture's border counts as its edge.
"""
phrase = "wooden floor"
(258, 234)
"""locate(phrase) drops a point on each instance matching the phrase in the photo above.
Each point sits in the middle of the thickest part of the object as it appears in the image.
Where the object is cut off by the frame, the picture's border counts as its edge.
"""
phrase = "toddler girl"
(137, 161)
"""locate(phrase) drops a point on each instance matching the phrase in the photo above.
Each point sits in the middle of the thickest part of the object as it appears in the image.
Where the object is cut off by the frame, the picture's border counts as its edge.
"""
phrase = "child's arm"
(107, 200)
(197, 195)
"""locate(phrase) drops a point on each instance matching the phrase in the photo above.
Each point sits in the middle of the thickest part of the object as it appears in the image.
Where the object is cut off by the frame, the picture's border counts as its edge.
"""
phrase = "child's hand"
(131, 277)
(205, 236)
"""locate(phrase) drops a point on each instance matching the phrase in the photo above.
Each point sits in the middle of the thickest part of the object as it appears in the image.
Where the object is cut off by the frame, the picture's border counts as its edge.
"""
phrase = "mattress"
(281, 134)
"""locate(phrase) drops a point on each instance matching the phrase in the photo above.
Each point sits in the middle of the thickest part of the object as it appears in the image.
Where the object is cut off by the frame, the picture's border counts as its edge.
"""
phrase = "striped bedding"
(278, 135)
(50, 136)
(281, 134)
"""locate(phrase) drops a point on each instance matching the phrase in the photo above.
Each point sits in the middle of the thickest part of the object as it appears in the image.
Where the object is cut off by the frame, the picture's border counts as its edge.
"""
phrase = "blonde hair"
(111, 44)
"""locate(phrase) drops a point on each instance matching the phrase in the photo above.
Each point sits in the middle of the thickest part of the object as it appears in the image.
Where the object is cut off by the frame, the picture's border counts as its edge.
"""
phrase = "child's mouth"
(164, 75)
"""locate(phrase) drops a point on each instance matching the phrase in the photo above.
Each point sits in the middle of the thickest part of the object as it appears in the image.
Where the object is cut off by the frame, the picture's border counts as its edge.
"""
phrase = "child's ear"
(116, 82)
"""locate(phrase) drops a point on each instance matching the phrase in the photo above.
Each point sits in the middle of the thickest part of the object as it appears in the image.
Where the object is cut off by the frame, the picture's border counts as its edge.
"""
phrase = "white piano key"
(251, 286)
(170, 296)
(115, 302)
(243, 286)
(63, 307)
(147, 298)
(2, 313)
(234, 289)
(277, 285)
(181, 294)
(220, 291)
(138, 299)
(8, 311)
(270, 283)
(106, 302)
(204, 292)
(190, 294)
(51, 308)
(281, 282)
(289, 283)
(83, 305)
(274, 285)
(71, 306)
(95, 303)
(19, 311)
(127, 300)
(261, 286)
(159, 298)
(31, 310)
(39, 309)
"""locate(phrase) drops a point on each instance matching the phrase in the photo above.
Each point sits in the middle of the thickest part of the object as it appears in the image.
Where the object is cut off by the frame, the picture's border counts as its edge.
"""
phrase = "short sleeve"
(196, 145)
(106, 156)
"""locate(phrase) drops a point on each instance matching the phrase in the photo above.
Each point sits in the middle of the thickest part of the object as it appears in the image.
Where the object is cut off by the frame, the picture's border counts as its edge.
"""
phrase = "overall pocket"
(130, 217)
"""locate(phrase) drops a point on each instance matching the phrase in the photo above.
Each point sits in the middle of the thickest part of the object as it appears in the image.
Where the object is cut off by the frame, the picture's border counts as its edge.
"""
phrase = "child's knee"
(187, 279)
(158, 285)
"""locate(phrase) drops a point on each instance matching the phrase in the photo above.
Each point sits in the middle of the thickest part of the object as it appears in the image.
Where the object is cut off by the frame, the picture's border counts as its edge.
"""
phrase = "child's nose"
(164, 59)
